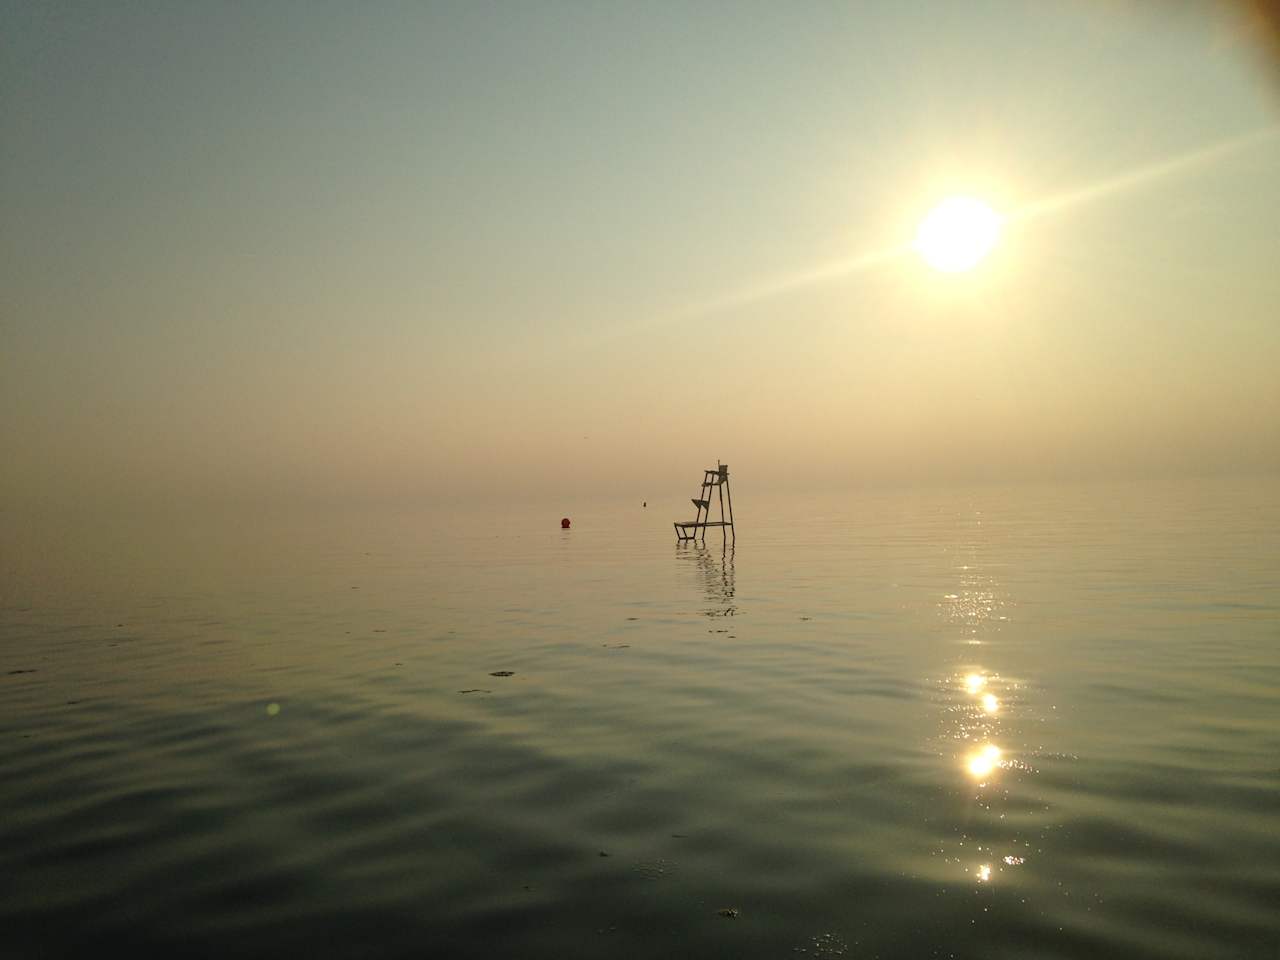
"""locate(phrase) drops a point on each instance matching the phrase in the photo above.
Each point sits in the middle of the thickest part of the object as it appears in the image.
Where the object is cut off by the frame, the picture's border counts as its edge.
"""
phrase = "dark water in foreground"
(248, 736)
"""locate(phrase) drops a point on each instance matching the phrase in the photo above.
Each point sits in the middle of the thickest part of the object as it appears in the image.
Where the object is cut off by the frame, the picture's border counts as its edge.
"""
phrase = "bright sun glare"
(957, 234)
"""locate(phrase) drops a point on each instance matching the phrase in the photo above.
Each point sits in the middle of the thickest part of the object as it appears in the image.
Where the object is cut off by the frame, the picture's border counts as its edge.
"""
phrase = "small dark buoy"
(564, 523)
(645, 504)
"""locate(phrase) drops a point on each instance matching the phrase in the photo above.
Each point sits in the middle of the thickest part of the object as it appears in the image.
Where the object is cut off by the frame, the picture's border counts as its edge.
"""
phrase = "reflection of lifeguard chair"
(719, 480)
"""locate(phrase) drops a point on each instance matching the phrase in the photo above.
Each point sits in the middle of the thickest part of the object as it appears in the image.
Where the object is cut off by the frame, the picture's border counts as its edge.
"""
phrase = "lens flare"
(974, 682)
(990, 703)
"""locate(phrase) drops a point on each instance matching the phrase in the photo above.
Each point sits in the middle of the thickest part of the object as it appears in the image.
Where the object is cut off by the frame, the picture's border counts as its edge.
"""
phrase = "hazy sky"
(406, 250)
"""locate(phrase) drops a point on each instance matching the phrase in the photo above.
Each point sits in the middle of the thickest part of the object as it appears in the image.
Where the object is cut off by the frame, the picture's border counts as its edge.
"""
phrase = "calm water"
(267, 735)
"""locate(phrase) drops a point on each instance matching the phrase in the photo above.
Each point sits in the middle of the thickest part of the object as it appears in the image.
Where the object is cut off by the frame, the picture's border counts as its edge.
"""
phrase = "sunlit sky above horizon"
(402, 250)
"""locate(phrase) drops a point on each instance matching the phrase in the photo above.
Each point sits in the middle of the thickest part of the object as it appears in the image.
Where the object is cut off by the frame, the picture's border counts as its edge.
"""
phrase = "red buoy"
(564, 523)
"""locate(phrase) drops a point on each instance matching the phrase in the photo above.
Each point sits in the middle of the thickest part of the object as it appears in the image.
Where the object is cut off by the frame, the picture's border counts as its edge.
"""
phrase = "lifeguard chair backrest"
(723, 470)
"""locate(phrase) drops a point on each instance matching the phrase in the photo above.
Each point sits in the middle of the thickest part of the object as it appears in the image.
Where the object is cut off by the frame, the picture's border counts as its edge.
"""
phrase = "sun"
(957, 234)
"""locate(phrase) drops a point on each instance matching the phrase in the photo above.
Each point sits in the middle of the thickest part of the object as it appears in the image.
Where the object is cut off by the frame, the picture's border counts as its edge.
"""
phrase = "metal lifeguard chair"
(717, 479)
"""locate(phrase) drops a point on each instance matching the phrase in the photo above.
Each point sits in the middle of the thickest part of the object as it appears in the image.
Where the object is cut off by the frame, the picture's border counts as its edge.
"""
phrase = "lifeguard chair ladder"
(718, 480)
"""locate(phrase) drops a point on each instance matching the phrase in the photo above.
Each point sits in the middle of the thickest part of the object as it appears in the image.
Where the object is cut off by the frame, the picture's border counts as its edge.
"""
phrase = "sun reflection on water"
(983, 708)
(983, 761)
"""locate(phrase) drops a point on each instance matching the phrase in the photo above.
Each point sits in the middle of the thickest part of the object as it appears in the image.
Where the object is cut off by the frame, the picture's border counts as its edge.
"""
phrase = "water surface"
(270, 734)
